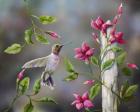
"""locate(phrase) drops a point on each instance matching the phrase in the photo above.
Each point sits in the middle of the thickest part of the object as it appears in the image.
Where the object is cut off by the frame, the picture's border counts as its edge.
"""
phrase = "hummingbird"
(50, 63)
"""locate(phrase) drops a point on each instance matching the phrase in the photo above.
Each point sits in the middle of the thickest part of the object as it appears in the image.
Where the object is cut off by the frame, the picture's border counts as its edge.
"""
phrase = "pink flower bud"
(120, 10)
(54, 35)
(131, 65)
(95, 37)
(89, 82)
(21, 74)
(115, 20)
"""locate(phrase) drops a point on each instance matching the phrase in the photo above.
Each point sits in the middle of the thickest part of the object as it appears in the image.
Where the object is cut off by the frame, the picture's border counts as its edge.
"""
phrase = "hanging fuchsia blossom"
(54, 35)
(99, 24)
(89, 82)
(132, 65)
(21, 74)
(82, 101)
(84, 53)
(116, 37)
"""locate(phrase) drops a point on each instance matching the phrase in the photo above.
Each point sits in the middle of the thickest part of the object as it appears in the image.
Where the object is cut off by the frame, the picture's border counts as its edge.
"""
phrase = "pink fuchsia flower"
(97, 24)
(95, 37)
(120, 10)
(89, 82)
(132, 65)
(116, 37)
(54, 35)
(84, 53)
(82, 101)
(21, 75)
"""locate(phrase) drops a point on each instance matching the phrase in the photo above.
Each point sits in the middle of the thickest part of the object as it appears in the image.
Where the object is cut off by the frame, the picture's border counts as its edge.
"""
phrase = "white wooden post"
(109, 78)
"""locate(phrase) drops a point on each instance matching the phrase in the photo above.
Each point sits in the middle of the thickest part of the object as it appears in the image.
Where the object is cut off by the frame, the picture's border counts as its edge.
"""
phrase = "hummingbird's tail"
(46, 80)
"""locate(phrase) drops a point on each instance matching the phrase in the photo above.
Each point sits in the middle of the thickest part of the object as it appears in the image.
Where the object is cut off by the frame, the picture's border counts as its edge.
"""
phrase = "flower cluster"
(99, 24)
(82, 101)
(84, 53)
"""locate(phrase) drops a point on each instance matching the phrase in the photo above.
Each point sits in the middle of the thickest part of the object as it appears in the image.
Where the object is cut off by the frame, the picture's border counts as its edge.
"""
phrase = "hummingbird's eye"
(57, 46)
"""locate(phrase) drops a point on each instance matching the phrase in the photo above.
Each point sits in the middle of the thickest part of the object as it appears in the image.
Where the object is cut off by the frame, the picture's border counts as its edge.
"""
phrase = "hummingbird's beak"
(61, 45)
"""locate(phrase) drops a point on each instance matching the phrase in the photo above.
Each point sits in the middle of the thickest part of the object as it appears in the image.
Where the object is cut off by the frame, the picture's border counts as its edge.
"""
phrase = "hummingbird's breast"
(52, 63)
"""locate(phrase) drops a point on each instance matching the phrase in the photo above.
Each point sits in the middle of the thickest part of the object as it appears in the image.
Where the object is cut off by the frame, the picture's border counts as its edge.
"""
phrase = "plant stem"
(91, 71)
(12, 103)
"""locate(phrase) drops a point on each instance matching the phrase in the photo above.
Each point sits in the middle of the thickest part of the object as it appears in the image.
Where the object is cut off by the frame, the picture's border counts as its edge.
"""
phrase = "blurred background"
(73, 24)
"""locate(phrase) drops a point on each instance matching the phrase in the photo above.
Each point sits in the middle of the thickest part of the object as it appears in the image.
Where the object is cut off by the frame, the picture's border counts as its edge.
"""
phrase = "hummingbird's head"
(57, 48)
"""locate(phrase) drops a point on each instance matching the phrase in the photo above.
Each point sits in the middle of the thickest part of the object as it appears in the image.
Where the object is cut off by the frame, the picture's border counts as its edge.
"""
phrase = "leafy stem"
(91, 71)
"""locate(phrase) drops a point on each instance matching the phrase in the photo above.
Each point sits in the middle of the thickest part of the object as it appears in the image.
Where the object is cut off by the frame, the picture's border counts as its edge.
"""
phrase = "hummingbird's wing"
(39, 62)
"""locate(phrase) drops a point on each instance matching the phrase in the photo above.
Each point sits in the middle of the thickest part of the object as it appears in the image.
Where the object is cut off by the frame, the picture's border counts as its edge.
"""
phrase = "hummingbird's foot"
(48, 82)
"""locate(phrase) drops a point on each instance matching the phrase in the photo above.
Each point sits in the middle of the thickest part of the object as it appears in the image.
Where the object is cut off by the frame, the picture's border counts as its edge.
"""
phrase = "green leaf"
(29, 107)
(42, 39)
(117, 49)
(130, 91)
(46, 100)
(28, 36)
(24, 85)
(108, 64)
(123, 89)
(13, 49)
(47, 19)
(37, 86)
(71, 77)
(69, 66)
(126, 71)
(121, 58)
(94, 91)
(95, 60)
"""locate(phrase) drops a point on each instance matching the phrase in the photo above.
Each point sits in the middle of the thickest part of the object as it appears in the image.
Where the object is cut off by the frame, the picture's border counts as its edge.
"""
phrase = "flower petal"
(90, 52)
(75, 101)
(79, 106)
(78, 97)
(88, 104)
(78, 50)
(85, 96)
(85, 47)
